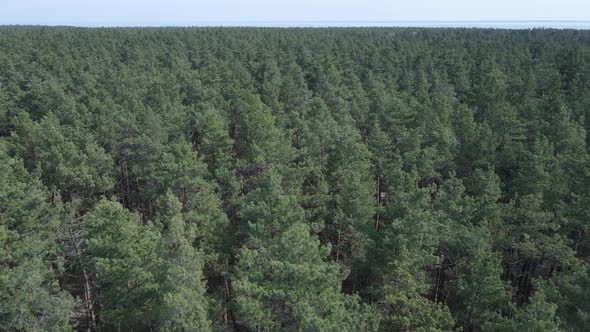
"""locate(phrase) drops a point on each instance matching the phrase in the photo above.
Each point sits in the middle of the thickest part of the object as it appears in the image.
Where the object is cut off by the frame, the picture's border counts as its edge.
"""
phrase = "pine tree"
(30, 258)
(407, 308)
(252, 127)
(351, 205)
(120, 254)
(536, 315)
(181, 289)
(282, 280)
(180, 171)
(570, 291)
(72, 166)
(480, 295)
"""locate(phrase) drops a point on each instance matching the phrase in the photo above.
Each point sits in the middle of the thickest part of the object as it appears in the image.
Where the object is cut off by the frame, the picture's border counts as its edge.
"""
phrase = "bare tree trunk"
(127, 185)
(378, 201)
(90, 316)
(227, 298)
(338, 246)
(228, 315)
(88, 302)
(437, 282)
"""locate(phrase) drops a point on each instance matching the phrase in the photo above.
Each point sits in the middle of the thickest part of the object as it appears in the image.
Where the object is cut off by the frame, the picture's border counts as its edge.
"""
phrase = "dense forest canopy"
(250, 179)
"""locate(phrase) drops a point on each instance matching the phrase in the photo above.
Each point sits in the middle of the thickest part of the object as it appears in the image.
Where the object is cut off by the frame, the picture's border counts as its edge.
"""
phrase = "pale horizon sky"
(194, 13)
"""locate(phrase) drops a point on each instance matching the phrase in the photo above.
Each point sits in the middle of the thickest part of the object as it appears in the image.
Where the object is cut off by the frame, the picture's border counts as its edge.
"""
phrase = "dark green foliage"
(245, 179)
(30, 260)
(537, 315)
(282, 278)
(121, 255)
(408, 310)
(182, 302)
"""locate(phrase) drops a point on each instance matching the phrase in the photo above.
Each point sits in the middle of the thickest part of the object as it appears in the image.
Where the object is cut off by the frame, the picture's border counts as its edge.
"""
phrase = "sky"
(249, 12)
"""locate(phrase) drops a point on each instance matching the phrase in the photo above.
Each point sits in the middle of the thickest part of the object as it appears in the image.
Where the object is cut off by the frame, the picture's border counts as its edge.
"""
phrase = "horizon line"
(578, 24)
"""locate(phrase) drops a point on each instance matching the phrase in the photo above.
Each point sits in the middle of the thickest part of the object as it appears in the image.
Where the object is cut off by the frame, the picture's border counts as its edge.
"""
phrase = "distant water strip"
(521, 25)
(578, 25)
